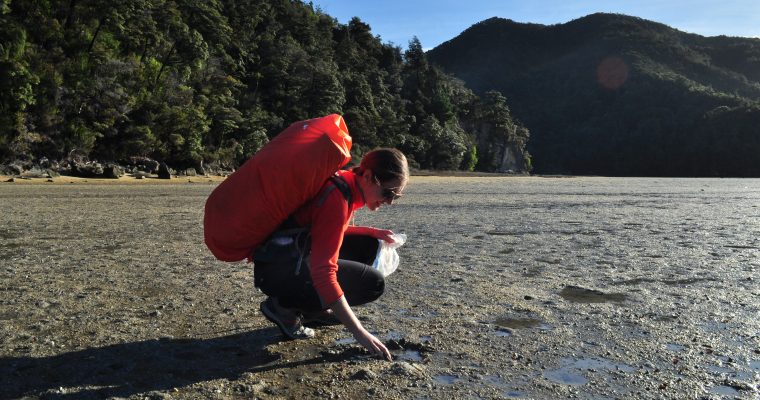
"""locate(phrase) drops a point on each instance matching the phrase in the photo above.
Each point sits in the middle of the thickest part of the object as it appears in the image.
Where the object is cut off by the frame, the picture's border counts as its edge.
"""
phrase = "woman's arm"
(344, 313)
(382, 234)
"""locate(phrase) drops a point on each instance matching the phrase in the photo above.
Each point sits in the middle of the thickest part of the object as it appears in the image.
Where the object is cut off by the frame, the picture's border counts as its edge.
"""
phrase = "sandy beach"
(509, 287)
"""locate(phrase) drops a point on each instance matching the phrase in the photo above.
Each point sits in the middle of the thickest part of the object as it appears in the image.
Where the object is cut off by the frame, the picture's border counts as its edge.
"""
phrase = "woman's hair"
(386, 164)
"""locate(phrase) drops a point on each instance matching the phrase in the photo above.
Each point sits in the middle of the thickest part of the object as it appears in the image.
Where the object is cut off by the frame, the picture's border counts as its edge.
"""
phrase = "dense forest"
(210, 81)
(611, 94)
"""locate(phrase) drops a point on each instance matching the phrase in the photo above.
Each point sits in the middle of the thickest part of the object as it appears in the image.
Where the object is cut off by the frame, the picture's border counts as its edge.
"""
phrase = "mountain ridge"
(668, 82)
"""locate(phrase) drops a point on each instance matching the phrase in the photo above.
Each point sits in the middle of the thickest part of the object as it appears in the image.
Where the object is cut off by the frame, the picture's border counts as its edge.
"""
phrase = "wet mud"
(528, 287)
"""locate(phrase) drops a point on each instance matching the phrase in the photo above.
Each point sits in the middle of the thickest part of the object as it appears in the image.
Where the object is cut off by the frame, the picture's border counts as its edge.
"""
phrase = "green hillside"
(192, 81)
(617, 95)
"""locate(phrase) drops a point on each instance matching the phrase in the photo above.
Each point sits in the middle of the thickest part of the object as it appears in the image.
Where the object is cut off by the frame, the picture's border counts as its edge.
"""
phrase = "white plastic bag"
(386, 260)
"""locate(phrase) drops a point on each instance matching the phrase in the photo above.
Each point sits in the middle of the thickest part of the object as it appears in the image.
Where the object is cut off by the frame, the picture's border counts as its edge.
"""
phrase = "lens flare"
(612, 72)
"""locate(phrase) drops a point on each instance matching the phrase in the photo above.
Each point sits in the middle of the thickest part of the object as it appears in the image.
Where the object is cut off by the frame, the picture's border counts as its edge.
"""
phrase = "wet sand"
(518, 287)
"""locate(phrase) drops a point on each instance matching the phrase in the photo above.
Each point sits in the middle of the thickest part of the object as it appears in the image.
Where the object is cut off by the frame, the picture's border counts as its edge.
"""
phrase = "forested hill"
(191, 81)
(617, 95)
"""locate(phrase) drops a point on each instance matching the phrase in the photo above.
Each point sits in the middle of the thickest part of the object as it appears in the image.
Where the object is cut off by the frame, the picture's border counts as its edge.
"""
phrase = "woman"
(326, 268)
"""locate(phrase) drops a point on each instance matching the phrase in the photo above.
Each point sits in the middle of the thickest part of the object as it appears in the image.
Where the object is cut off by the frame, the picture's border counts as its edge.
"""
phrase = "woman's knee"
(377, 288)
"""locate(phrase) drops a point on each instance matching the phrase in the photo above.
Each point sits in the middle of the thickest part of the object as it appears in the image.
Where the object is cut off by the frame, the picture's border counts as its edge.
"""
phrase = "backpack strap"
(339, 183)
(291, 229)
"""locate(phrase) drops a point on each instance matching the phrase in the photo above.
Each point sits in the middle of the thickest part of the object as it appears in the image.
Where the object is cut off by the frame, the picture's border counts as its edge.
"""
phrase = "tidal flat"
(509, 287)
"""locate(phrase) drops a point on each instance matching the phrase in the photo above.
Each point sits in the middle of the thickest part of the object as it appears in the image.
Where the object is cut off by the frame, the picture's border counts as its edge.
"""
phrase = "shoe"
(292, 329)
(320, 318)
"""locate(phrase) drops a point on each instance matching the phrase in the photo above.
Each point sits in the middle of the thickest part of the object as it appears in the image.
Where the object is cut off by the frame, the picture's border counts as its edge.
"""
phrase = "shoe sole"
(269, 314)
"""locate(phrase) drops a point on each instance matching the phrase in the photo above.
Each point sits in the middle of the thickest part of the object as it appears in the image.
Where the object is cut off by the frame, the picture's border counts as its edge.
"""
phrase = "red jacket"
(328, 223)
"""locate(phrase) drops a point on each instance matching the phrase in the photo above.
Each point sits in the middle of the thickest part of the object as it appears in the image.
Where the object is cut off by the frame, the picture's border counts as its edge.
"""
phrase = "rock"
(164, 172)
(151, 166)
(14, 169)
(35, 173)
(156, 395)
(86, 170)
(52, 173)
(113, 171)
(190, 172)
(527, 297)
(403, 368)
(364, 375)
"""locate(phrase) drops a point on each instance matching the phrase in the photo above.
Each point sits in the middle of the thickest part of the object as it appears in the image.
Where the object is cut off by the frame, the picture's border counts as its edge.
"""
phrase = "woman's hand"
(344, 313)
(373, 344)
(383, 234)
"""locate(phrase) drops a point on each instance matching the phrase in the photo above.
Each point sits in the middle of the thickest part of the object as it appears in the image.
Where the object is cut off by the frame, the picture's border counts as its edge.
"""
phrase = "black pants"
(360, 282)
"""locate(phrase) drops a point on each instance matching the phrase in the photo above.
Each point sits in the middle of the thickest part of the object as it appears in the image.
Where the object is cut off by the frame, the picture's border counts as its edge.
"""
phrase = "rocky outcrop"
(137, 167)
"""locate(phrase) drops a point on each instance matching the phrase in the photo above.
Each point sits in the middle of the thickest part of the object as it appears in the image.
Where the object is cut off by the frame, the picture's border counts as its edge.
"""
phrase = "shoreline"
(124, 180)
(215, 179)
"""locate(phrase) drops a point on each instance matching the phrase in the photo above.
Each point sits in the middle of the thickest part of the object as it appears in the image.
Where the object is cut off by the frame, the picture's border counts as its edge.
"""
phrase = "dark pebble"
(364, 375)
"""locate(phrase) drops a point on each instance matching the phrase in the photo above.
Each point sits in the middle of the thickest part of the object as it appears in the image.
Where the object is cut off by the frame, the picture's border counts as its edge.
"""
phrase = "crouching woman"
(318, 265)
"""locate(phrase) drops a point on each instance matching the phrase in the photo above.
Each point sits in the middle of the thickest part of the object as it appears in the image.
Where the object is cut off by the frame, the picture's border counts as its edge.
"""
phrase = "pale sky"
(436, 21)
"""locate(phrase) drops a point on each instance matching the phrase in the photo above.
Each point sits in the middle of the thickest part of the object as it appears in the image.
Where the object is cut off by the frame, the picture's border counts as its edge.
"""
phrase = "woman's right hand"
(373, 344)
(344, 313)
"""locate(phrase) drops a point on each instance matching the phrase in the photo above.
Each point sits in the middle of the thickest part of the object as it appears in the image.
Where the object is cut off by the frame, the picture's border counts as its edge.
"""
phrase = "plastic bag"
(387, 260)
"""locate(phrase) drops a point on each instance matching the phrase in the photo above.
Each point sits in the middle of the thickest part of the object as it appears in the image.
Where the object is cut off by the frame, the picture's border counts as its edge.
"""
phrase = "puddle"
(674, 347)
(572, 373)
(602, 364)
(635, 281)
(503, 332)
(505, 326)
(517, 323)
(688, 281)
(577, 294)
(755, 365)
(724, 391)
(9, 234)
(514, 394)
(345, 341)
(532, 271)
(717, 370)
(446, 379)
(715, 326)
(408, 355)
(394, 335)
(566, 377)
(409, 351)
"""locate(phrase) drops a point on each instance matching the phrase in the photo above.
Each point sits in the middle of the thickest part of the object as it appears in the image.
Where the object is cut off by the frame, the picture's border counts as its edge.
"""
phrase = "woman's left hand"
(383, 234)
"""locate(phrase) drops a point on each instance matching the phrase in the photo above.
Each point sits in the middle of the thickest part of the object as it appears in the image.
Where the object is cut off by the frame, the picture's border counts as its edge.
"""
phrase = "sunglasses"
(388, 193)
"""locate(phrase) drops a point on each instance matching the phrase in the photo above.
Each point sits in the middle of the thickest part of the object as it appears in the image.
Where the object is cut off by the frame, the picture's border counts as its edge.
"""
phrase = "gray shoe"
(291, 329)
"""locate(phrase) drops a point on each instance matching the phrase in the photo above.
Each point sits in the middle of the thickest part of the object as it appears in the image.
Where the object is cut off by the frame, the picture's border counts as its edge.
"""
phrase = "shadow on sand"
(124, 369)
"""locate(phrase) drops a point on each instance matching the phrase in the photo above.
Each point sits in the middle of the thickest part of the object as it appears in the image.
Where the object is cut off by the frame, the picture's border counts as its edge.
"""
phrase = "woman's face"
(377, 193)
